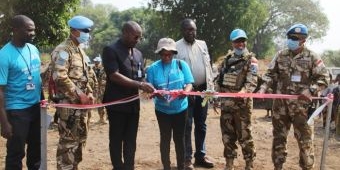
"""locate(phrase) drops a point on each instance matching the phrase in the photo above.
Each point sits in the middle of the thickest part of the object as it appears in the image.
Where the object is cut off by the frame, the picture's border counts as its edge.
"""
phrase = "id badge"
(296, 78)
(139, 73)
(30, 86)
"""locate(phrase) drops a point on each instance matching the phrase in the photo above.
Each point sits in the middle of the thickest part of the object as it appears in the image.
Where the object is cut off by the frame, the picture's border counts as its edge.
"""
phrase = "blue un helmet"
(83, 25)
(298, 30)
(237, 33)
(80, 22)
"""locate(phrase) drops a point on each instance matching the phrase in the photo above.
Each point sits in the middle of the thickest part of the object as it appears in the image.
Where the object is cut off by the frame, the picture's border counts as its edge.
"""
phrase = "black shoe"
(204, 162)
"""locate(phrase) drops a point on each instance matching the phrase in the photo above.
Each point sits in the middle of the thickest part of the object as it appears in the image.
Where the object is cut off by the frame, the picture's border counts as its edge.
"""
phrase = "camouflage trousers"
(99, 99)
(285, 114)
(73, 133)
(235, 122)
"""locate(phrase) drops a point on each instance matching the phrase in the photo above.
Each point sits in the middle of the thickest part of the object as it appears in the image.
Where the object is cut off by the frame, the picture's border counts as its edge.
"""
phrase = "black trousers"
(172, 124)
(123, 129)
(26, 130)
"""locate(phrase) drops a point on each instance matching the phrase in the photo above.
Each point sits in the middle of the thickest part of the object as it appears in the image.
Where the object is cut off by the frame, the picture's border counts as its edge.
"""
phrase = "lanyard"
(131, 62)
(30, 66)
(167, 77)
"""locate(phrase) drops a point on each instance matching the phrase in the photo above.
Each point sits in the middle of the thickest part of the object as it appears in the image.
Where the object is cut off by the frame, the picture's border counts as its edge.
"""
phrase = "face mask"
(293, 45)
(83, 37)
(238, 51)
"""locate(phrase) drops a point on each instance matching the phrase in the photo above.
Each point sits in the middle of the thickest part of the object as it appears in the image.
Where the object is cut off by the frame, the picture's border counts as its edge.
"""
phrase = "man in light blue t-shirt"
(20, 90)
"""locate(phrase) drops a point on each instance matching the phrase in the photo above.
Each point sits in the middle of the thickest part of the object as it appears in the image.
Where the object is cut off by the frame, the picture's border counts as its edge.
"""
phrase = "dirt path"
(96, 153)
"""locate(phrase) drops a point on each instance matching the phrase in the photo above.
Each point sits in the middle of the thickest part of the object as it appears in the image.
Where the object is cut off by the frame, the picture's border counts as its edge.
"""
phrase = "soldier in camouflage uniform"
(70, 74)
(237, 74)
(298, 71)
(93, 81)
(101, 77)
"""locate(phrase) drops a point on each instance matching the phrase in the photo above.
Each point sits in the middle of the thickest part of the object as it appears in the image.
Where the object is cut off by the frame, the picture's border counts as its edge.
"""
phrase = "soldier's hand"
(84, 99)
(91, 98)
(305, 95)
(146, 87)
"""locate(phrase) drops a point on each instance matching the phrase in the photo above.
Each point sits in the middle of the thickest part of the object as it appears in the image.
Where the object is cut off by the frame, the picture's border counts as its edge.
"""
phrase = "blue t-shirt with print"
(170, 76)
(16, 66)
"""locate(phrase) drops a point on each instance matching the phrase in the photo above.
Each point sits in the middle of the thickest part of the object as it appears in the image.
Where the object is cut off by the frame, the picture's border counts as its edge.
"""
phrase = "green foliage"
(108, 22)
(265, 21)
(214, 19)
(281, 15)
(251, 21)
(103, 31)
(331, 58)
(50, 17)
(148, 21)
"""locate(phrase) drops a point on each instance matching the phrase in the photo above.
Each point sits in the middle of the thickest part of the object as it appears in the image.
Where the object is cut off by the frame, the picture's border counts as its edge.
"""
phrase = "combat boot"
(229, 164)
(249, 165)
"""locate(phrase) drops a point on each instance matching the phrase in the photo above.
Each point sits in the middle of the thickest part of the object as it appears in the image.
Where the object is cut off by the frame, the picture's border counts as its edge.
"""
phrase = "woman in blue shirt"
(170, 74)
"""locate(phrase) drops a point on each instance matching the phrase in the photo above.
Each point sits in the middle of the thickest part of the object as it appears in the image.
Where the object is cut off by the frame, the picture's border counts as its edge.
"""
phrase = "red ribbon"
(174, 94)
(44, 103)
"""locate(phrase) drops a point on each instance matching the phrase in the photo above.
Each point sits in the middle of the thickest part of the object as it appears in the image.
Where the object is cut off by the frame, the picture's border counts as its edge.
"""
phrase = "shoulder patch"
(253, 65)
(319, 63)
(62, 58)
(64, 55)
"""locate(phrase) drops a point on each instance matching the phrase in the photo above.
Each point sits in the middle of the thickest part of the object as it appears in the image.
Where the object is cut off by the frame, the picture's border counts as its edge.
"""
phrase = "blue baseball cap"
(237, 33)
(80, 22)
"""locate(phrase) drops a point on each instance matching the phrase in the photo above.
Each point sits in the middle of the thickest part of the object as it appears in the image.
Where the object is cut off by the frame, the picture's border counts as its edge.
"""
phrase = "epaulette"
(284, 52)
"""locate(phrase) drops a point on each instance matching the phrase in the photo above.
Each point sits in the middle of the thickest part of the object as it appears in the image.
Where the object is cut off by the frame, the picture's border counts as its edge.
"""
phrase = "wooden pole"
(43, 131)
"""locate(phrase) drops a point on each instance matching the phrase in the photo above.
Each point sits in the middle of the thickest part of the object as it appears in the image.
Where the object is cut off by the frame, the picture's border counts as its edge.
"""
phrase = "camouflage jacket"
(69, 71)
(101, 77)
(238, 73)
(93, 81)
(294, 73)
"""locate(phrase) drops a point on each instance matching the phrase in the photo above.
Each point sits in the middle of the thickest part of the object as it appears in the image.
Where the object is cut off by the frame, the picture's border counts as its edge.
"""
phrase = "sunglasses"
(294, 38)
(86, 30)
(240, 40)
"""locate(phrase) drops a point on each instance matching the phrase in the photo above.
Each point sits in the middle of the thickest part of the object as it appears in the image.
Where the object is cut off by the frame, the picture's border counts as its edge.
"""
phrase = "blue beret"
(298, 29)
(80, 22)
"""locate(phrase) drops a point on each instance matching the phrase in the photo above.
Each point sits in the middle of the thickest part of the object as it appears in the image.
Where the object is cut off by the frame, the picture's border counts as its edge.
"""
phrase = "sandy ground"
(96, 153)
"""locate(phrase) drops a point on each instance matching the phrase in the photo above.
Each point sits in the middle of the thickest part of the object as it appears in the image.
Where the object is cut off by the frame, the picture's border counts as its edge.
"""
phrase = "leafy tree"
(150, 23)
(265, 21)
(103, 31)
(50, 17)
(331, 58)
(214, 19)
(108, 22)
(281, 15)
